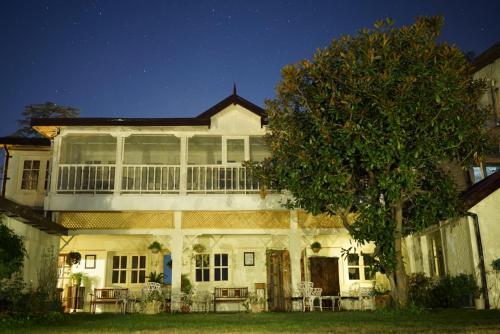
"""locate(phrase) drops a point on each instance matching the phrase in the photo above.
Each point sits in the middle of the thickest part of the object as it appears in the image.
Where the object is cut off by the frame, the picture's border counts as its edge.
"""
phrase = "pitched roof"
(202, 119)
(22, 141)
(234, 99)
(487, 57)
(479, 191)
(30, 217)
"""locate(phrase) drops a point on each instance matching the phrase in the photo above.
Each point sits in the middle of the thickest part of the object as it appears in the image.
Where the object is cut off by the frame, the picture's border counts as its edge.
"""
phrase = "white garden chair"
(305, 290)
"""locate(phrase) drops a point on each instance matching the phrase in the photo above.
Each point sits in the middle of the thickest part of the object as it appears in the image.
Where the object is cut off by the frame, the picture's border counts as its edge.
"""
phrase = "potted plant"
(78, 291)
(156, 278)
(186, 288)
(316, 247)
(382, 297)
(198, 248)
(155, 247)
(152, 302)
(73, 258)
(254, 302)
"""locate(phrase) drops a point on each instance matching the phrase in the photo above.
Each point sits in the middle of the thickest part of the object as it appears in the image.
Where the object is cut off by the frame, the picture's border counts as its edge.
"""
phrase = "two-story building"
(119, 184)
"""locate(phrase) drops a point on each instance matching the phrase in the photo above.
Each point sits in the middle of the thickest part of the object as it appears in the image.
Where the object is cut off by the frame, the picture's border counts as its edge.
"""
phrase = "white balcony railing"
(86, 178)
(155, 179)
(151, 179)
(220, 179)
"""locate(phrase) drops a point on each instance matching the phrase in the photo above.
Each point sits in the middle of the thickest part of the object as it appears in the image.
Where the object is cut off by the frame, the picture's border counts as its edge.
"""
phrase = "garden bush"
(448, 292)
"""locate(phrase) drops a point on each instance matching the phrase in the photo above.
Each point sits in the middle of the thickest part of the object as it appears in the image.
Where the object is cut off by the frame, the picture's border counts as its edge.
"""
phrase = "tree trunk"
(397, 278)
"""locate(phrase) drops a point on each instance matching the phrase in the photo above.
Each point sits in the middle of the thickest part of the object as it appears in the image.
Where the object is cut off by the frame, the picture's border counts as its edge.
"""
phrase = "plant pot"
(479, 303)
(316, 249)
(155, 250)
(185, 309)
(255, 308)
(152, 307)
(382, 301)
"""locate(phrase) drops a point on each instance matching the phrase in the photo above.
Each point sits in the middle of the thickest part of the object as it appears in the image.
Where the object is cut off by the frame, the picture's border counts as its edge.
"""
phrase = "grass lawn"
(435, 321)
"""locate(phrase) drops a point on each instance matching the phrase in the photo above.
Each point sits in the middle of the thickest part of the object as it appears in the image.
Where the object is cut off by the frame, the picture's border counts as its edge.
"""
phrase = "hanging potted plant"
(316, 247)
(155, 247)
(199, 248)
(73, 258)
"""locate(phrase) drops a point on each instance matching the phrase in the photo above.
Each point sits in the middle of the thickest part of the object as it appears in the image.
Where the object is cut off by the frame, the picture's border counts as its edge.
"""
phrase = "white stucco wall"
(37, 243)
(13, 191)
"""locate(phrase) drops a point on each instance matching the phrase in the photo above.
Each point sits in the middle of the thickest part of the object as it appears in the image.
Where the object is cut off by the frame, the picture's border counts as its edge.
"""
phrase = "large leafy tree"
(365, 126)
(45, 110)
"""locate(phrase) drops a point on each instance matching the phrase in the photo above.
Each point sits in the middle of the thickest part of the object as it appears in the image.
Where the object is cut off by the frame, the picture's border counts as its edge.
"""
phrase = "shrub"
(448, 291)
(12, 252)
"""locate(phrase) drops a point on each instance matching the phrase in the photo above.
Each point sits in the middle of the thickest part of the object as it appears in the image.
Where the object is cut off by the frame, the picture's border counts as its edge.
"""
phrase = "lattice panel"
(236, 219)
(306, 220)
(116, 220)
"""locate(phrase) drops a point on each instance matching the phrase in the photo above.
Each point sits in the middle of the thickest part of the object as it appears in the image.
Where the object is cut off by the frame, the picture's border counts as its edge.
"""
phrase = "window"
(235, 150)
(204, 150)
(31, 168)
(220, 267)
(258, 149)
(128, 269)
(353, 266)
(202, 272)
(436, 260)
(360, 267)
(47, 176)
(368, 263)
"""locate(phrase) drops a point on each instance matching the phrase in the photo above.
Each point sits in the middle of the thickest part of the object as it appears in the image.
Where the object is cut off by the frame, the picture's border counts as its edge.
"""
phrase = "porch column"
(176, 250)
(295, 240)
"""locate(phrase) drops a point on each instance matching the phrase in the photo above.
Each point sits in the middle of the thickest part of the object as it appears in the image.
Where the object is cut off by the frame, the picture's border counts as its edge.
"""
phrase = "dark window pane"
(216, 274)
(198, 261)
(124, 262)
(369, 273)
(142, 263)
(134, 277)
(224, 274)
(27, 164)
(217, 260)
(114, 278)
(224, 260)
(206, 260)
(135, 261)
(368, 259)
(123, 276)
(36, 164)
(353, 273)
(142, 276)
(353, 259)
(198, 275)
(206, 275)
(116, 262)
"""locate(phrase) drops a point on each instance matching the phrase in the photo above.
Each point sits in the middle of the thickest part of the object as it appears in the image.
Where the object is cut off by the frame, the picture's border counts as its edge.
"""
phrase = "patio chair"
(315, 294)
(305, 290)
(121, 297)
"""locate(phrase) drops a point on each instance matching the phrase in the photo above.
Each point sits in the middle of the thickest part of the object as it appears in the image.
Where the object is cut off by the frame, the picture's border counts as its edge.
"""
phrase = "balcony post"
(183, 167)
(54, 164)
(118, 162)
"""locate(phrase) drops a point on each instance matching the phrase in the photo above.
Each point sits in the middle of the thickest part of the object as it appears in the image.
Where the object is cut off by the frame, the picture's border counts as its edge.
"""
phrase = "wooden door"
(325, 274)
(278, 280)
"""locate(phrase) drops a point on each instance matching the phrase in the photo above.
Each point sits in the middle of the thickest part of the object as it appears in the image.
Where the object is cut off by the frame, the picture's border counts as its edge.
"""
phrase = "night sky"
(177, 59)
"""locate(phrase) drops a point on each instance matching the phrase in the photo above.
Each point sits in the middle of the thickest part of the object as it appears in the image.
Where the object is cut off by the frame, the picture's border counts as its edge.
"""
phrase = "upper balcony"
(157, 164)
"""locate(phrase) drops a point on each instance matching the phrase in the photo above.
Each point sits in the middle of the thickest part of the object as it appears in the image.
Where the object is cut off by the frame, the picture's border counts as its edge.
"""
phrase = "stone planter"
(382, 301)
(152, 307)
(479, 303)
(316, 249)
(255, 308)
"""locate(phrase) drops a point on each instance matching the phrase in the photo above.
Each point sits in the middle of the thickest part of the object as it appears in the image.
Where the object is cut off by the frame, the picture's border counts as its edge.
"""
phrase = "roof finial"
(234, 88)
